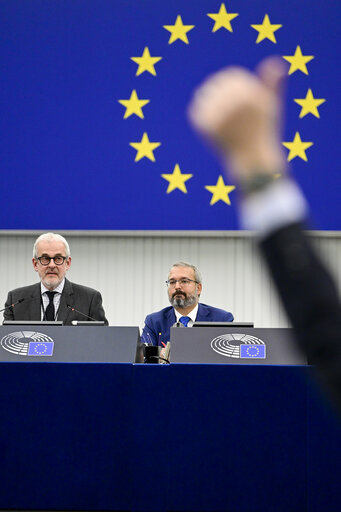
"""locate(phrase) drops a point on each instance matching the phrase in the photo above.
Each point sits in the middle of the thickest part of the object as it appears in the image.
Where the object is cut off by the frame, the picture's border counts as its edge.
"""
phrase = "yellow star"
(178, 30)
(266, 30)
(133, 105)
(298, 61)
(146, 62)
(176, 180)
(222, 19)
(297, 148)
(309, 104)
(145, 148)
(220, 191)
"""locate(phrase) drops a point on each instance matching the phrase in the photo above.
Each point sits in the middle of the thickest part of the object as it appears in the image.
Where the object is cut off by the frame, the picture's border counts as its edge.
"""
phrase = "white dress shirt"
(192, 315)
(56, 298)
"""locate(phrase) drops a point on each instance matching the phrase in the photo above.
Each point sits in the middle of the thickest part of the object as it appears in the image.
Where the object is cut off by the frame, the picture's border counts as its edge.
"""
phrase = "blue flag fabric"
(39, 348)
(93, 109)
(253, 351)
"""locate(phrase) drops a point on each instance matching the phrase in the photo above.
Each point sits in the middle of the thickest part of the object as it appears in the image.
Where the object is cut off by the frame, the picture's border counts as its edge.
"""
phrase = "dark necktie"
(184, 320)
(49, 312)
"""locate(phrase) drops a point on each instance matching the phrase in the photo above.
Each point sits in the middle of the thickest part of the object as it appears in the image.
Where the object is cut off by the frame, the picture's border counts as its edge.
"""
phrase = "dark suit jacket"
(87, 300)
(162, 321)
(311, 300)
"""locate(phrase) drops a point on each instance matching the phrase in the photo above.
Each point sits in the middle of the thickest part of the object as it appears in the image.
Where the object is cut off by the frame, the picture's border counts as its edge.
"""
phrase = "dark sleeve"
(8, 313)
(96, 308)
(310, 298)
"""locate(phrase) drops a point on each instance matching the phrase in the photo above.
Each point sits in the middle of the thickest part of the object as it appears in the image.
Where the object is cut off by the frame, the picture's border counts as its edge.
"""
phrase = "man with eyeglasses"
(184, 287)
(54, 298)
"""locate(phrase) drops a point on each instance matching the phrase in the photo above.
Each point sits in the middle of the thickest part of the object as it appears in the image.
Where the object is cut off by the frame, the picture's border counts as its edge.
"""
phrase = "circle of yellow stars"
(179, 32)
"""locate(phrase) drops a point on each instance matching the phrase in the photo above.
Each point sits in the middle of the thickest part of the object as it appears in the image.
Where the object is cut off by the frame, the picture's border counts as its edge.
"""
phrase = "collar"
(192, 314)
(58, 289)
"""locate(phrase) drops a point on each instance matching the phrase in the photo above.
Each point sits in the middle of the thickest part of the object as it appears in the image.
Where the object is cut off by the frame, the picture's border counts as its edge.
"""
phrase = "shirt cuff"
(277, 205)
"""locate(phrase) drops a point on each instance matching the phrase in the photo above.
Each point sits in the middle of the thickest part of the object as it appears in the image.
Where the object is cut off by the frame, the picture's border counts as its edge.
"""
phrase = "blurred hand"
(241, 112)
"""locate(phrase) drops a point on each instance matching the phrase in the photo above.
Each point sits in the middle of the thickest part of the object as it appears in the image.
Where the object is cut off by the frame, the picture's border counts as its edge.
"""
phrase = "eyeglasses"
(58, 260)
(182, 282)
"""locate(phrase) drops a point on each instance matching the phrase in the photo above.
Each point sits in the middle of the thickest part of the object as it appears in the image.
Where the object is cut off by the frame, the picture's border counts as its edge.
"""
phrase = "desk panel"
(65, 435)
(158, 438)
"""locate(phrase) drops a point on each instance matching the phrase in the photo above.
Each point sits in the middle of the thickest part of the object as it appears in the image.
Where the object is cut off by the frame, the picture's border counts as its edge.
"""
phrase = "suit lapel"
(67, 298)
(171, 318)
(35, 302)
(202, 313)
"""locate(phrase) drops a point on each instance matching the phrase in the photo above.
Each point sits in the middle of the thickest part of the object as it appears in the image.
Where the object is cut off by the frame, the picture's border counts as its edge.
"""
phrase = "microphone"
(80, 312)
(12, 305)
(178, 324)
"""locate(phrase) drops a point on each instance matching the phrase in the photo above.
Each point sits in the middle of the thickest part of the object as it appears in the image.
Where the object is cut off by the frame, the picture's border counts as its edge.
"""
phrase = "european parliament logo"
(239, 346)
(28, 343)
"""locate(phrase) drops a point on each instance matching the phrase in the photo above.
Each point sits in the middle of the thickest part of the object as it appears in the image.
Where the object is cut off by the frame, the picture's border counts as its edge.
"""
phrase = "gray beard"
(183, 302)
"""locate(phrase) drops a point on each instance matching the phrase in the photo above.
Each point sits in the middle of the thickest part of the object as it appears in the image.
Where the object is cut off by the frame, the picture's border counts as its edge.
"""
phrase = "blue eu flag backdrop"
(93, 100)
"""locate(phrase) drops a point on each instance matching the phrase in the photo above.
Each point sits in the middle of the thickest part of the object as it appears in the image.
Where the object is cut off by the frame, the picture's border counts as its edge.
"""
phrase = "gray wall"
(130, 270)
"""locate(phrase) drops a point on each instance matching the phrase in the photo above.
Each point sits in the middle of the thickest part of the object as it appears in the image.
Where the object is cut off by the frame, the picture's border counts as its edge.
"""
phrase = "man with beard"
(184, 286)
(54, 298)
